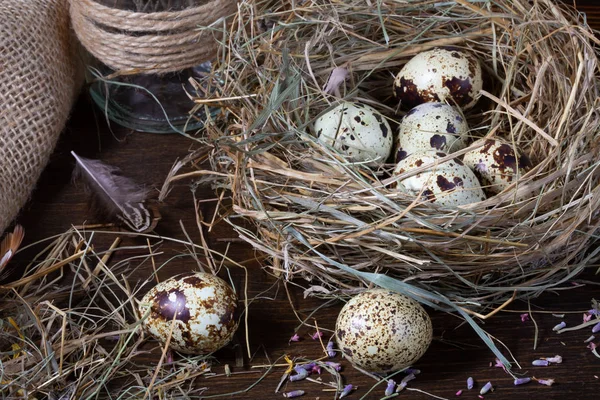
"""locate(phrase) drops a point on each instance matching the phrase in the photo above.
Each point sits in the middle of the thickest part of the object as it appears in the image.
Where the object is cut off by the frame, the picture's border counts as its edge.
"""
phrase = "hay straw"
(321, 218)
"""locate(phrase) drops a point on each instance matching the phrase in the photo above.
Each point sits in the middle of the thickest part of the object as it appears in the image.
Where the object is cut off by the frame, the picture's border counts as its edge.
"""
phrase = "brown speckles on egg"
(395, 331)
(439, 75)
(450, 183)
(171, 305)
(201, 309)
(357, 131)
(432, 126)
(497, 164)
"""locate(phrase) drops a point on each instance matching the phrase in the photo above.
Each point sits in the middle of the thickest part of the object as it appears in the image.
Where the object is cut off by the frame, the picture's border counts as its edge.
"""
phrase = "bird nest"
(342, 225)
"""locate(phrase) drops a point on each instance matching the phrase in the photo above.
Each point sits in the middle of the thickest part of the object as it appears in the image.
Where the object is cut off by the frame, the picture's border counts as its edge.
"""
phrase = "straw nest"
(341, 225)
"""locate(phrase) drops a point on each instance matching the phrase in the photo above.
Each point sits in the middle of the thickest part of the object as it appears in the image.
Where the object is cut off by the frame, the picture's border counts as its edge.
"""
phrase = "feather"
(9, 247)
(118, 196)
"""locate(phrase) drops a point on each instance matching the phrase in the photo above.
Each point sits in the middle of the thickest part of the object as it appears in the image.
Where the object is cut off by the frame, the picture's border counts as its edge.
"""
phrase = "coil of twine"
(156, 42)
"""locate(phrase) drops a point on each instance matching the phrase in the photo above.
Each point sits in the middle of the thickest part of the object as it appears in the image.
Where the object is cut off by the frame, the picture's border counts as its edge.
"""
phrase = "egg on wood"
(431, 127)
(448, 184)
(383, 331)
(497, 164)
(441, 75)
(200, 309)
(357, 131)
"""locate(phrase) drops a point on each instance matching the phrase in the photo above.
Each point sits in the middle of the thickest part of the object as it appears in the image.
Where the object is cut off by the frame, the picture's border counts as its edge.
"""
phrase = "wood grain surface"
(455, 354)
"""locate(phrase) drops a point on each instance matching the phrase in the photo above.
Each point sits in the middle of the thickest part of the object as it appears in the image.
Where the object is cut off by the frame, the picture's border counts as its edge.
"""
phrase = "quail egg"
(200, 308)
(356, 130)
(431, 126)
(440, 74)
(449, 184)
(383, 331)
(497, 164)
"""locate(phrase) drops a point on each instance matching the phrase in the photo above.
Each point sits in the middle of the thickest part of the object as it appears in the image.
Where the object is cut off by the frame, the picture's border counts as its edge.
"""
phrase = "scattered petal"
(470, 383)
(591, 346)
(294, 393)
(559, 326)
(336, 79)
(486, 388)
(294, 338)
(587, 317)
(391, 385)
(540, 363)
(558, 315)
(316, 335)
(525, 317)
(596, 328)
(346, 391)
(413, 371)
(522, 381)
(554, 360)
(547, 382)
(459, 392)
(595, 312)
(330, 351)
(480, 396)
(316, 370)
(334, 365)
(301, 374)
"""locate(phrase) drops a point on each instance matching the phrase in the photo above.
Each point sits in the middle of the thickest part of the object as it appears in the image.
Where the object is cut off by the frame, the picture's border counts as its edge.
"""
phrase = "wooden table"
(455, 354)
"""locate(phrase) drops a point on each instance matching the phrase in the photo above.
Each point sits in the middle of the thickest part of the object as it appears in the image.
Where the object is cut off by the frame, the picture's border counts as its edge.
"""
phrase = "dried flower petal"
(316, 335)
(480, 396)
(294, 393)
(336, 79)
(330, 351)
(308, 366)
(554, 360)
(391, 385)
(547, 382)
(589, 339)
(596, 328)
(294, 338)
(525, 317)
(591, 346)
(413, 371)
(346, 391)
(595, 312)
(459, 392)
(559, 326)
(316, 370)
(301, 374)
(522, 381)
(540, 363)
(486, 388)
(470, 383)
(587, 317)
(334, 365)
(558, 315)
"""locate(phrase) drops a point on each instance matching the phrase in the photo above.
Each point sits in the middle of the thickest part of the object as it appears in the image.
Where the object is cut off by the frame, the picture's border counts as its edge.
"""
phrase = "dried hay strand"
(342, 226)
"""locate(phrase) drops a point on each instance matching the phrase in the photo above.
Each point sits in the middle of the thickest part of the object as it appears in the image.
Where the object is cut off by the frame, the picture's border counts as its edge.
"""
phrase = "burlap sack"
(38, 85)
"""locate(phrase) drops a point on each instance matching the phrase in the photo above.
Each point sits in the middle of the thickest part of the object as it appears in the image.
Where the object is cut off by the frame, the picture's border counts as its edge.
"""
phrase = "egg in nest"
(431, 127)
(497, 164)
(448, 184)
(441, 75)
(201, 308)
(357, 131)
(383, 331)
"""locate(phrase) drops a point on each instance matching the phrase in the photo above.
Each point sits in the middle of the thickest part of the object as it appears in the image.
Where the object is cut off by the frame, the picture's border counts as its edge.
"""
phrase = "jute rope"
(157, 42)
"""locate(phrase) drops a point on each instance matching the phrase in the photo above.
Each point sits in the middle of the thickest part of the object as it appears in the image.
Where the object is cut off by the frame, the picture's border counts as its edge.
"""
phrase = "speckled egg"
(441, 74)
(497, 164)
(449, 184)
(356, 130)
(431, 127)
(202, 308)
(383, 331)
